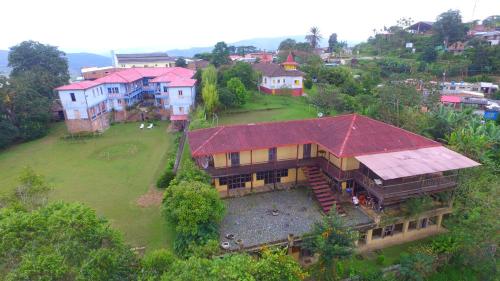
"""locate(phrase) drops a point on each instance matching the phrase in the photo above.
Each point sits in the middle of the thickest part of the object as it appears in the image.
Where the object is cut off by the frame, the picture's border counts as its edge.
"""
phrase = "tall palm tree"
(314, 37)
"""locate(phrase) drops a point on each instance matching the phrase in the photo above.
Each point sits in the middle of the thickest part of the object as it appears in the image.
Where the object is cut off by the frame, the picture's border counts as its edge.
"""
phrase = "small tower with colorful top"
(290, 64)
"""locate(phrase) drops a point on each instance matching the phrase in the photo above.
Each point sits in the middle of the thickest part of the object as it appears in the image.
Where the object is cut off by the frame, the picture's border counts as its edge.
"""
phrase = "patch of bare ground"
(153, 197)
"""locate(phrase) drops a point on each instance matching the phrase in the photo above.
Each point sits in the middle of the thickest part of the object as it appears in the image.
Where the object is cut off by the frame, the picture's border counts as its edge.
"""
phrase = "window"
(237, 181)
(278, 81)
(235, 158)
(272, 153)
(165, 89)
(398, 228)
(388, 230)
(412, 225)
(272, 176)
(432, 220)
(424, 223)
(76, 113)
(307, 150)
(100, 89)
(109, 91)
(145, 81)
(115, 90)
(297, 82)
(181, 109)
(265, 80)
(72, 95)
(377, 233)
(180, 92)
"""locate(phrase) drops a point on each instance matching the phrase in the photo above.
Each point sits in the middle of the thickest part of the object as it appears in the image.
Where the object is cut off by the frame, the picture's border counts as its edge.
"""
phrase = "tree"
(314, 37)
(180, 62)
(33, 189)
(416, 267)
(227, 99)
(220, 54)
(8, 131)
(62, 241)
(492, 21)
(204, 56)
(287, 45)
(195, 209)
(332, 42)
(236, 87)
(155, 264)
(241, 70)
(30, 113)
(210, 98)
(333, 241)
(449, 28)
(209, 76)
(41, 67)
(429, 54)
(276, 265)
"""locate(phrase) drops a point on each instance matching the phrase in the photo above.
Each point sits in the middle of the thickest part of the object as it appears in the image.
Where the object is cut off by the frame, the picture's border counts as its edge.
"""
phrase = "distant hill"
(269, 44)
(76, 62)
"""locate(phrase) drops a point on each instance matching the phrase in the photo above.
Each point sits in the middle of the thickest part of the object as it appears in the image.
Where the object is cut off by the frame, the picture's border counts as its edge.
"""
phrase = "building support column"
(439, 221)
(406, 225)
(369, 236)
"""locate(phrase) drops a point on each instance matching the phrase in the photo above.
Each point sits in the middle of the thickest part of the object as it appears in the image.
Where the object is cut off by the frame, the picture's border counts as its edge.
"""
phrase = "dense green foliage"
(195, 209)
(62, 242)
(220, 54)
(180, 62)
(333, 241)
(27, 96)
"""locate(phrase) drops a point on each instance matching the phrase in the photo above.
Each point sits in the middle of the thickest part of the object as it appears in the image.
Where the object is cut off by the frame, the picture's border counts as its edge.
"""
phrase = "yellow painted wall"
(350, 164)
(218, 186)
(287, 152)
(220, 160)
(257, 183)
(260, 155)
(244, 158)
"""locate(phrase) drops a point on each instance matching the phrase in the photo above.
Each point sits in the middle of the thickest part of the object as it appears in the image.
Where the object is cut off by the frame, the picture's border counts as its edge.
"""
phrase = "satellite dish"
(320, 114)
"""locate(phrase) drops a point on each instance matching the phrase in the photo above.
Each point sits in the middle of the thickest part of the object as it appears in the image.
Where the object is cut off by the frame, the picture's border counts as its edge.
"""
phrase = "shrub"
(165, 179)
(380, 259)
(308, 83)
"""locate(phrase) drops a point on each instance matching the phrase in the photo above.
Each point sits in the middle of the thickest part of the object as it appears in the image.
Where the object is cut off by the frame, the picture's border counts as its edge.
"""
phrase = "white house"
(88, 104)
(281, 79)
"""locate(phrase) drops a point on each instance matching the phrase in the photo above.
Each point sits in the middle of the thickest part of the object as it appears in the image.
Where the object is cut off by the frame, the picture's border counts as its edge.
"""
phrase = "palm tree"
(314, 37)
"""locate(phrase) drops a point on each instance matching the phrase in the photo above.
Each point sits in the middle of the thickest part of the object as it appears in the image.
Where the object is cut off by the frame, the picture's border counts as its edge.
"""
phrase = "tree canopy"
(62, 241)
(449, 27)
(220, 54)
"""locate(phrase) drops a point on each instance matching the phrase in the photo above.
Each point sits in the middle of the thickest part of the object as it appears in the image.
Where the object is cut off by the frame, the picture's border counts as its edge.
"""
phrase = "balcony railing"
(400, 191)
(320, 162)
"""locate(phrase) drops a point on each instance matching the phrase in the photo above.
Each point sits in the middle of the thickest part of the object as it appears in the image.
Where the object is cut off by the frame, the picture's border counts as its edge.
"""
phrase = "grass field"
(263, 108)
(108, 173)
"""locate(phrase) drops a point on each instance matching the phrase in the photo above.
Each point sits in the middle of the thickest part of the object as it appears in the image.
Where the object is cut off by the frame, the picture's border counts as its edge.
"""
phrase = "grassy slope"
(107, 173)
(263, 108)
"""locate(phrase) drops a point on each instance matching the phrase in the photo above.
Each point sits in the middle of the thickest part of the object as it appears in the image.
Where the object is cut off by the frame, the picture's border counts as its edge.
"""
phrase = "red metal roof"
(344, 136)
(133, 74)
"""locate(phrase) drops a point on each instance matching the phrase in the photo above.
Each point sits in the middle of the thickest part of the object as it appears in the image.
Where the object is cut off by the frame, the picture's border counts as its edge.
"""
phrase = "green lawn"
(263, 108)
(108, 173)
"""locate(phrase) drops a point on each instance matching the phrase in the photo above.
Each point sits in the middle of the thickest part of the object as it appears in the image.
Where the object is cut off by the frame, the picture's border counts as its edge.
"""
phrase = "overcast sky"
(102, 25)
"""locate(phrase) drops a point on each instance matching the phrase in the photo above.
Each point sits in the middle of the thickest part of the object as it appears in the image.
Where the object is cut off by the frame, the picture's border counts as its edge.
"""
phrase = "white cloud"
(102, 25)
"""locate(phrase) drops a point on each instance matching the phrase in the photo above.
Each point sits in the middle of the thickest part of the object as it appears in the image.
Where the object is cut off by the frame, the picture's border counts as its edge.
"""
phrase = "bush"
(380, 259)
(308, 83)
(165, 179)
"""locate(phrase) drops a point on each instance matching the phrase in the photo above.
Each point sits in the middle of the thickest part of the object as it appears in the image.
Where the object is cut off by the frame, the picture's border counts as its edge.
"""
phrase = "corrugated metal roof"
(421, 161)
(344, 136)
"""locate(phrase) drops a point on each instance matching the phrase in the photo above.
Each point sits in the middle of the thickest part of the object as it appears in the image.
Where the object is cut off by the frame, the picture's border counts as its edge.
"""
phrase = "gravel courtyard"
(250, 218)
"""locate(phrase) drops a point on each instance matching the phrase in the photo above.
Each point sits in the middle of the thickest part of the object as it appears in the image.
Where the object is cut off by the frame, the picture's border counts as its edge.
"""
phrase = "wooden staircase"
(321, 189)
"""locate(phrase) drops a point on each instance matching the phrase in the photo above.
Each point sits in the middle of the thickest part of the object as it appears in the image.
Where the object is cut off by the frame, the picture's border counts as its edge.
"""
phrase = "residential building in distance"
(334, 159)
(88, 104)
(281, 79)
(421, 27)
(93, 73)
(143, 60)
(492, 37)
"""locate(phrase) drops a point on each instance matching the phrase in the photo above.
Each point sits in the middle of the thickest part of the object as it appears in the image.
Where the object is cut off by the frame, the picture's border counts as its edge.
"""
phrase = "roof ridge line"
(396, 127)
(207, 140)
(347, 135)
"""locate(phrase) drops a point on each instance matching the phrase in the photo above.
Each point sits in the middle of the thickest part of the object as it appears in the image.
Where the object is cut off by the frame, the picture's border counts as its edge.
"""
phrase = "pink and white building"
(88, 104)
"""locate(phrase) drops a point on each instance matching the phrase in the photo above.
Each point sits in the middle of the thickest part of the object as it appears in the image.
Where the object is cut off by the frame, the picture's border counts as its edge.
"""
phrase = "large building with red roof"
(336, 158)
(280, 79)
(88, 104)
